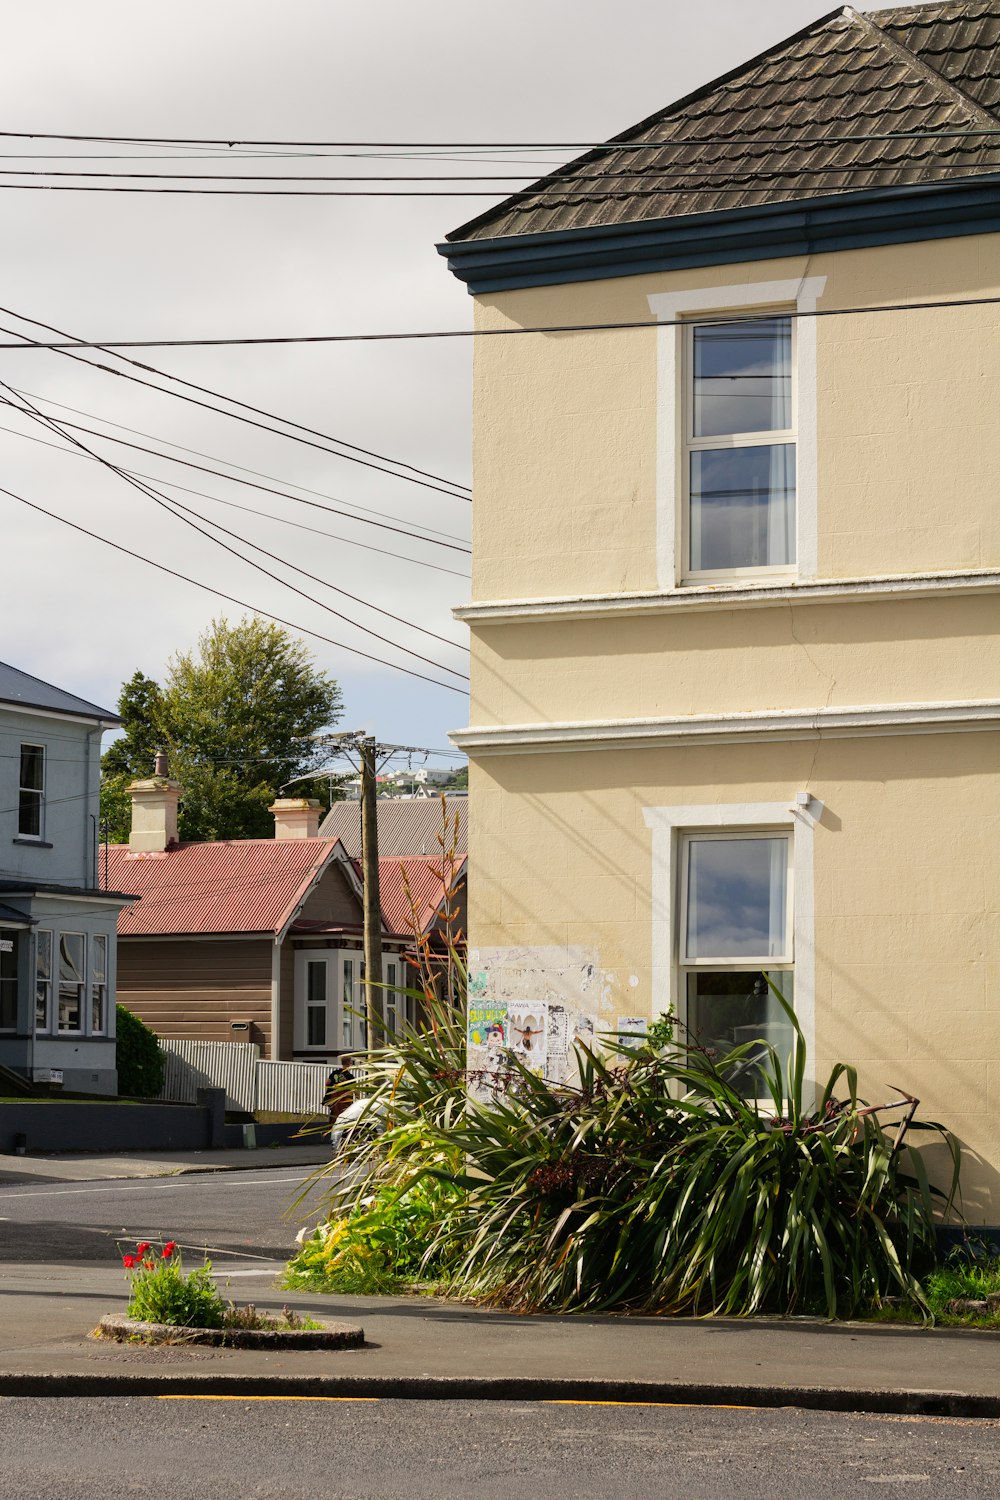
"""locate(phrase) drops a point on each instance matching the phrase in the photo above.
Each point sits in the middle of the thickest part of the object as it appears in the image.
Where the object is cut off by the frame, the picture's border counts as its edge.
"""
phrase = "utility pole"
(372, 907)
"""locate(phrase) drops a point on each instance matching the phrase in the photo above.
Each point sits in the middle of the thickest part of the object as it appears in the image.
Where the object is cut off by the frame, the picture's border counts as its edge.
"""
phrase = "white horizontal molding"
(723, 729)
(732, 596)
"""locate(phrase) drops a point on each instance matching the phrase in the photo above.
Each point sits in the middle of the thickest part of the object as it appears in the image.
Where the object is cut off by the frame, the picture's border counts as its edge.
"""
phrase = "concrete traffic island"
(123, 1330)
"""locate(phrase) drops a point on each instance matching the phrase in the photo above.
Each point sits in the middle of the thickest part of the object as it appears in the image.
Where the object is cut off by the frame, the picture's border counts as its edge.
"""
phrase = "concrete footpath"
(93, 1167)
(426, 1348)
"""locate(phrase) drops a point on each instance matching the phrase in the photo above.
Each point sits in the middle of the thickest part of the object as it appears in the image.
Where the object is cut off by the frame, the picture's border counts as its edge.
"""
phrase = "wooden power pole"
(373, 907)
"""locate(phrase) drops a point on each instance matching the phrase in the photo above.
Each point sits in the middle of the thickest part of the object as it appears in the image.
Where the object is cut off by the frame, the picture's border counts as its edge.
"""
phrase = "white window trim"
(740, 961)
(39, 792)
(83, 989)
(802, 294)
(668, 823)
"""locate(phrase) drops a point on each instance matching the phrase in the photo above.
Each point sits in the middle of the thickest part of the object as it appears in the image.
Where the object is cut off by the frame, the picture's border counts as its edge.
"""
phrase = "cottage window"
(43, 982)
(392, 999)
(72, 980)
(316, 1003)
(31, 792)
(354, 1027)
(98, 984)
(735, 925)
(740, 455)
(8, 979)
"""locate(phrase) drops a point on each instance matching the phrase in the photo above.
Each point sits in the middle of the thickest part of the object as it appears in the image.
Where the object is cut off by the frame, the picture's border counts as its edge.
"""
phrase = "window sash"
(31, 791)
(43, 981)
(316, 991)
(72, 991)
(738, 961)
(8, 979)
(98, 984)
(693, 443)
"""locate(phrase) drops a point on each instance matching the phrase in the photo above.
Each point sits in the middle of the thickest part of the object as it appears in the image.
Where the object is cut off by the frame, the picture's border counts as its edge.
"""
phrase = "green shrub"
(654, 1186)
(162, 1293)
(140, 1061)
(378, 1247)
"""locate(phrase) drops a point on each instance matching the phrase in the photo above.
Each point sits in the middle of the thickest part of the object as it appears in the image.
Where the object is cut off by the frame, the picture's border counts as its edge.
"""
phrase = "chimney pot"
(161, 764)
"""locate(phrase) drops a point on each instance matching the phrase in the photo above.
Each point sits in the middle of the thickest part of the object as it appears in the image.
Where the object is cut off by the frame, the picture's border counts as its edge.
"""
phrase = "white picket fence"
(251, 1083)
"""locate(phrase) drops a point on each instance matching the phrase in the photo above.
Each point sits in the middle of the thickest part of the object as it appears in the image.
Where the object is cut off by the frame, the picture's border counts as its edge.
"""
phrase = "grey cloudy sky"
(121, 265)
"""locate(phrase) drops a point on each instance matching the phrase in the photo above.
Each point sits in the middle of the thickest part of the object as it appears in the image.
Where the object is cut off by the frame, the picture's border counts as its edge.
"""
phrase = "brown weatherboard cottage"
(259, 940)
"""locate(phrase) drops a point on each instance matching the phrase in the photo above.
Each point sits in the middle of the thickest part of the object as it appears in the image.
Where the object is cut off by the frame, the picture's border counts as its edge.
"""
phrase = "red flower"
(128, 1261)
(142, 1247)
(168, 1249)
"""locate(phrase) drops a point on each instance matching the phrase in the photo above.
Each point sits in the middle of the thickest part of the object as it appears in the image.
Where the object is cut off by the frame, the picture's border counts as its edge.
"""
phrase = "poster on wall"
(486, 1045)
(528, 1033)
(565, 1029)
(631, 1031)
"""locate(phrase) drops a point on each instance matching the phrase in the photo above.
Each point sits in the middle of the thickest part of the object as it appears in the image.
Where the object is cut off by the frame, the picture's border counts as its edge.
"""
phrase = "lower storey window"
(72, 980)
(736, 925)
(8, 981)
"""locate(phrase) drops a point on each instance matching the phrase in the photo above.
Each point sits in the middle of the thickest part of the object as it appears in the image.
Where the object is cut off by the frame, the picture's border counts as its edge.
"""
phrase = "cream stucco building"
(736, 596)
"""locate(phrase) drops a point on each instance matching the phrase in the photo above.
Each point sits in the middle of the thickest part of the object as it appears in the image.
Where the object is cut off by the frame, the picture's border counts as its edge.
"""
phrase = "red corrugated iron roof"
(426, 877)
(235, 885)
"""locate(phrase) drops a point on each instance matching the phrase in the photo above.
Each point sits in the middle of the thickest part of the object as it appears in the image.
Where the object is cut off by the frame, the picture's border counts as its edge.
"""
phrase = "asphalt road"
(243, 1212)
(195, 1449)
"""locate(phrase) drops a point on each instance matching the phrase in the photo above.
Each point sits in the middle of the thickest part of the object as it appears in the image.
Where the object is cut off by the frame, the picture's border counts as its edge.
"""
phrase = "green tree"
(235, 716)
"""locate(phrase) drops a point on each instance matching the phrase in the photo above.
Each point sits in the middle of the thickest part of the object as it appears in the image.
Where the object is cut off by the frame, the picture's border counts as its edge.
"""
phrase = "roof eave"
(801, 226)
(625, 137)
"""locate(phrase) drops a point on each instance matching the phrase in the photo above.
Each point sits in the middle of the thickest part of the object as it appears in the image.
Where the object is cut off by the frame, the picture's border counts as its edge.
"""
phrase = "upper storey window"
(31, 792)
(740, 458)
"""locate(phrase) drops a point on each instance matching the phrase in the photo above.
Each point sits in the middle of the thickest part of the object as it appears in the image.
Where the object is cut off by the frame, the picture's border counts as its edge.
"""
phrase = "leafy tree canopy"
(235, 716)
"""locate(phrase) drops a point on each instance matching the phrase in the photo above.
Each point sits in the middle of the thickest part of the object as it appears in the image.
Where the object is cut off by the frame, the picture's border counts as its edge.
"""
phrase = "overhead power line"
(533, 192)
(433, 537)
(501, 145)
(183, 513)
(220, 594)
(267, 515)
(306, 441)
(676, 174)
(508, 331)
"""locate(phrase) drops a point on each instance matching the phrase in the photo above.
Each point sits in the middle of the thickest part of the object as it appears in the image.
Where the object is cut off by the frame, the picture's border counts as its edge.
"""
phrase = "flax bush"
(654, 1186)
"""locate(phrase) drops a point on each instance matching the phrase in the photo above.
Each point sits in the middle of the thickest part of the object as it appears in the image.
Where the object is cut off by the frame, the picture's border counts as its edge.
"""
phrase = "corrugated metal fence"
(251, 1084)
(295, 1087)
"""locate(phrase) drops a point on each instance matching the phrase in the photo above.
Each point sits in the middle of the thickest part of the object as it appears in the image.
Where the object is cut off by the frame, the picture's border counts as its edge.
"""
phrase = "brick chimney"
(154, 810)
(296, 817)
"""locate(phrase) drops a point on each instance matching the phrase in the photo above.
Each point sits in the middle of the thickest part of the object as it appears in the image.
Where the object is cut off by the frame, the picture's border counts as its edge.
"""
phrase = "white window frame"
(338, 1003)
(677, 310)
(39, 792)
(668, 826)
(686, 838)
(785, 437)
(98, 941)
(45, 933)
(83, 987)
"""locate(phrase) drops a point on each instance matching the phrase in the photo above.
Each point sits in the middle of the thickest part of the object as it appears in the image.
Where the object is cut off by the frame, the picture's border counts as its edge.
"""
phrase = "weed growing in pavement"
(161, 1292)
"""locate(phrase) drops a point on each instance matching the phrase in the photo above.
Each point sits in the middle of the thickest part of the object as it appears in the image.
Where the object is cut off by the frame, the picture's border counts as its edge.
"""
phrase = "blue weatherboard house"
(57, 926)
